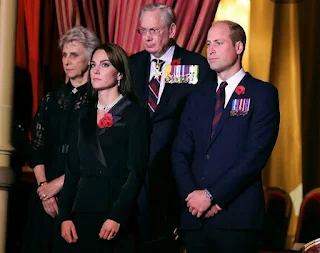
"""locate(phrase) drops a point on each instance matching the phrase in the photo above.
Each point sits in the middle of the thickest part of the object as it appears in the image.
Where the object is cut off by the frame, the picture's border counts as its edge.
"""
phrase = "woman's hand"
(51, 206)
(50, 189)
(68, 231)
(109, 230)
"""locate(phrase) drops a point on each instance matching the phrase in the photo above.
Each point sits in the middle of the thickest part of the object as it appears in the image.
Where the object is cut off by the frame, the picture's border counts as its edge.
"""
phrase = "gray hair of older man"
(83, 35)
(167, 13)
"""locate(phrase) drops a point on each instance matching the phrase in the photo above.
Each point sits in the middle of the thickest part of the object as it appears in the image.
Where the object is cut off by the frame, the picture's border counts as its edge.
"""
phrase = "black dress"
(53, 131)
(104, 177)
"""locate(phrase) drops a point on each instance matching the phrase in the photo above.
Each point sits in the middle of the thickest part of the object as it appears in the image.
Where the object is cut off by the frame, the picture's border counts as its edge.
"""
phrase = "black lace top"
(54, 127)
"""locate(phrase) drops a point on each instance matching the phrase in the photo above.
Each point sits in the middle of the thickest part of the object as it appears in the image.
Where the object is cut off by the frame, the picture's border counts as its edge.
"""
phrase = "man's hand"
(198, 202)
(68, 231)
(109, 229)
(213, 211)
(51, 206)
(50, 189)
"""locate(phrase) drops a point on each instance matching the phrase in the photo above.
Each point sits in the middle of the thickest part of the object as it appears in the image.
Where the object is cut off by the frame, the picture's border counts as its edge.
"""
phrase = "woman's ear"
(120, 76)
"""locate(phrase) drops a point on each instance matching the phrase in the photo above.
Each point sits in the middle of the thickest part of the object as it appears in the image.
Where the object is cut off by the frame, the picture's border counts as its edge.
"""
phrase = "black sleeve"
(38, 133)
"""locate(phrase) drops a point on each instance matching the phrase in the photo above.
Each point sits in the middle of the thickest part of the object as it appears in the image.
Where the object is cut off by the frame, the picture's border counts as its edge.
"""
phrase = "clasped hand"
(51, 206)
(46, 193)
(49, 189)
(198, 204)
(108, 230)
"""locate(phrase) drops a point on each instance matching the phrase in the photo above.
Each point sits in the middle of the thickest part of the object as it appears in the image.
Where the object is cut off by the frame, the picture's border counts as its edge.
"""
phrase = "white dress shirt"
(167, 58)
(232, 84)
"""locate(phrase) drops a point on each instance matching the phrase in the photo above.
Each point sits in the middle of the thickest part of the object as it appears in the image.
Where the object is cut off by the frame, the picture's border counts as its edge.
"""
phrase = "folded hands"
(199, 204)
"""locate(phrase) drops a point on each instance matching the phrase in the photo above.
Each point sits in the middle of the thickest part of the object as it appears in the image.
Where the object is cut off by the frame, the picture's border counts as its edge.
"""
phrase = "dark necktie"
(154, 86)
(219, 106)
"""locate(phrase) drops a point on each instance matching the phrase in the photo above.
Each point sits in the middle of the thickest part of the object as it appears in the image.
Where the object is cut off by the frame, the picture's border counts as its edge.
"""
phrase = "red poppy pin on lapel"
(106, 121)
(176, 62)
(240, 90)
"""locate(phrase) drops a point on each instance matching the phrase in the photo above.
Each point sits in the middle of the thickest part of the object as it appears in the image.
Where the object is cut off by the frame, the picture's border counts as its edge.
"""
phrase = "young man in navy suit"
(165, 75)
(225, 138)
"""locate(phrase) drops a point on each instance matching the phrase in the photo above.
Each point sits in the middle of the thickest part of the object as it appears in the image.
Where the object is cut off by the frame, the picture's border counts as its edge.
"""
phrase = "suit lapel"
(226, 111)
(208, 111)
(168, 87)
(94, 132)
(116, 112)
(90, 134)
(98, 150)
(166, 94)
(224, 117)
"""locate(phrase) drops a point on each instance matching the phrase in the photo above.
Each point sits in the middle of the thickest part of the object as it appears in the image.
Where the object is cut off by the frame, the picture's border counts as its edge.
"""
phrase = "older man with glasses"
(165, 75)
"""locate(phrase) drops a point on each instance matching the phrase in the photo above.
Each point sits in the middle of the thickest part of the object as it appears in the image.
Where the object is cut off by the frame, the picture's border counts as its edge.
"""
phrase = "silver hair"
(83, 35)
(167, 13)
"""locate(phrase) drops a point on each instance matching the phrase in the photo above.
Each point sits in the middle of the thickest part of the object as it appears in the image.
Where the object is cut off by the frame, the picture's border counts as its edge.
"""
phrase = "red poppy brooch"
(106, 121)
(176, 61)
(240, 90)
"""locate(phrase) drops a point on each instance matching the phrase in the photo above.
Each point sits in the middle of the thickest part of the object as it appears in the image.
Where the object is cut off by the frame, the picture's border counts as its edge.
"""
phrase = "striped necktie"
(154, 86)
(219, 106)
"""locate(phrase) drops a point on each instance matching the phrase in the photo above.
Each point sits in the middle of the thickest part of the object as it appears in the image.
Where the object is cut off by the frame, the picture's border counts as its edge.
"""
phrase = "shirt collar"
(167, 56)
(235, 79)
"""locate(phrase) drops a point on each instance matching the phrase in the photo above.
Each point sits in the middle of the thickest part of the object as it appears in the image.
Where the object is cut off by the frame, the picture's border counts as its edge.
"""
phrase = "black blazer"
(166, 119)
(107, 169)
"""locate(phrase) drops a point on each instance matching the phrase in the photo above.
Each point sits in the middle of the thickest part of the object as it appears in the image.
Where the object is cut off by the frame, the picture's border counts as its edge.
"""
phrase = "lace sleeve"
(38, 133)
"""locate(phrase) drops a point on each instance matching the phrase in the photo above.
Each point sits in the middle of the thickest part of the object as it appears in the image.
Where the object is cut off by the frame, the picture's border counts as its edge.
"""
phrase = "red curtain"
(91, 14)
(21, 45)
(28, 49)
(193, 20)
(36, 46)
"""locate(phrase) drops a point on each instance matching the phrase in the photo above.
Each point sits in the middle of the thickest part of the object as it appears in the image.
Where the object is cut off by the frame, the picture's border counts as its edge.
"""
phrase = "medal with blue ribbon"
(240, 106)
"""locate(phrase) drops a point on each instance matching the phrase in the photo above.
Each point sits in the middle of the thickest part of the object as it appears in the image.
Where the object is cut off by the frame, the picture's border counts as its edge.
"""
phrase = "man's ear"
(172, 30)
(239, 47)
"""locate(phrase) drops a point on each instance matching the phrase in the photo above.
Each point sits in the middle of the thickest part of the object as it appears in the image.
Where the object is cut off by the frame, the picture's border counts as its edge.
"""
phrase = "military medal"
(193, 74)
(181, 74)
(157, 72)
(240, 107)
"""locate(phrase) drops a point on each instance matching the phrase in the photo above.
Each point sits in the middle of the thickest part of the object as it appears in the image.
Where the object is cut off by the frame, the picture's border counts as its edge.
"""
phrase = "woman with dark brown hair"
(107, 169)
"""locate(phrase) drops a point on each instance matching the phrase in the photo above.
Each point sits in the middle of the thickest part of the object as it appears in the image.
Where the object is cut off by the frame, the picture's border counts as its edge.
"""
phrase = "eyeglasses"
(152, 31)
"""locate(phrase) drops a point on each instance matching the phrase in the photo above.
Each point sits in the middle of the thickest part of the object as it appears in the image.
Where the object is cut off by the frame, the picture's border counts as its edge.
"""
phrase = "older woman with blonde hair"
(53, 130)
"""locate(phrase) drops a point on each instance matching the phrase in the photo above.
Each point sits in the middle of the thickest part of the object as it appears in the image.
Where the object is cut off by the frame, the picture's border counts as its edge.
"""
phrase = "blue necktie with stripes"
(219, 106)
(154, 86)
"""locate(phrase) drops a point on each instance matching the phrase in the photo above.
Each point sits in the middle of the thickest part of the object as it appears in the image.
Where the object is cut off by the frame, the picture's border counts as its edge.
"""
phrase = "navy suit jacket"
(166, 119)
(229, 165)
